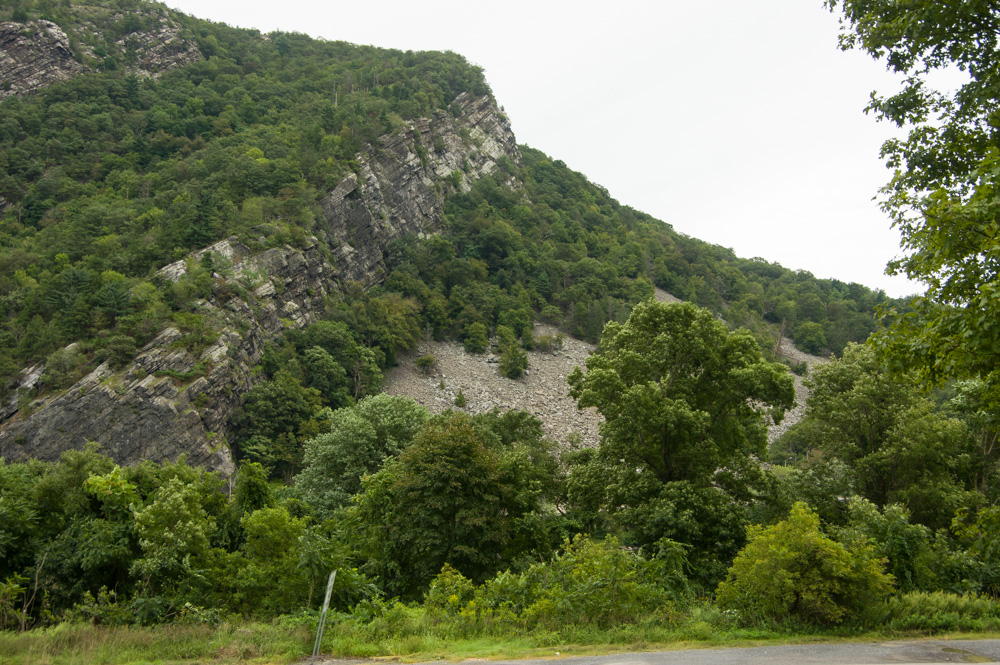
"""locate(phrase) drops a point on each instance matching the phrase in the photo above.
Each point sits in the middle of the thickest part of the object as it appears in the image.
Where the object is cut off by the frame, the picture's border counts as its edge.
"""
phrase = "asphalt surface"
(896, 653)
(873, 653)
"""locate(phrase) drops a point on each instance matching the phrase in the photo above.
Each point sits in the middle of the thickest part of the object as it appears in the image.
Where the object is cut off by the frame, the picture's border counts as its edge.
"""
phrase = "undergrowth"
(412, 633)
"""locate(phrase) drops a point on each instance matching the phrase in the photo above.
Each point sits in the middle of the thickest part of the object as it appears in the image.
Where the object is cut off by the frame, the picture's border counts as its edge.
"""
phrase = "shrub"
(513, 362)
(596, 583)
(476, 339)
(549, 343)
(792, 571)
(937, 611)
(907, 547)
(424, 363)
(460, 399)
(800, 368)
(449, 592)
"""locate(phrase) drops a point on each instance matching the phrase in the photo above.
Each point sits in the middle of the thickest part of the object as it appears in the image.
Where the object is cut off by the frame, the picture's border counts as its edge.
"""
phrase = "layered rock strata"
(401, 182)
(37, 54)
(171, 400)
(34, 55)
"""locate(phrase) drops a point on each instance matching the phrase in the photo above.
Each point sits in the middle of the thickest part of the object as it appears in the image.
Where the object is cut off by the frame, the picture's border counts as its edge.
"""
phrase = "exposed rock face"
(34, 55)
(402, 181)
(161, 49)
(170, 401)
(37, 54)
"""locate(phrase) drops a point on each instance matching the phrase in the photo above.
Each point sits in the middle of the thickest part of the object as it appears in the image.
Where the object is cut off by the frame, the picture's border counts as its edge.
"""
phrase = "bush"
(548, 343)
(449, 592)
(596, 583)
(513, 362)
(792, 571)
(476, 339)
(424, 363)
(937, 611)
(907, 548)
(800, 368)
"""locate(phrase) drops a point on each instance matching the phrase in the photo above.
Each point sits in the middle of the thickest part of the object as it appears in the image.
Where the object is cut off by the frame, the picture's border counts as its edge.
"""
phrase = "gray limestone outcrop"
(34, 55)
(402, 180)
(37, 54)
(178, 394)
(160, 48)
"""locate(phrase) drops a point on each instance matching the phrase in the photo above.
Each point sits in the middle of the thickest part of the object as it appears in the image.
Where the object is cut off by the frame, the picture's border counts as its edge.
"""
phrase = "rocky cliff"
(399, 185)
(36, 54)
(172, 400)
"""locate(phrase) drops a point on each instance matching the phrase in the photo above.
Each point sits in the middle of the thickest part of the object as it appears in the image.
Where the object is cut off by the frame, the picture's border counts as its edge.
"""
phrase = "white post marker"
(322, 616)
(329, 591)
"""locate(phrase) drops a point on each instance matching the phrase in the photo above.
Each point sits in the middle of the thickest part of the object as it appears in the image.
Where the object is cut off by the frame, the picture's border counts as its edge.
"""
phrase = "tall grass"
(98, 645)
(937, 612)
(417, 633)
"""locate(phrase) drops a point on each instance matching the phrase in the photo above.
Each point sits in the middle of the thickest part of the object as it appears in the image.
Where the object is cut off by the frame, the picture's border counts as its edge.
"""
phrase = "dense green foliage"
(474, 521)
(791, 570)
(109, 176)
(358, 443)
(475, 493)
(576, 257)
(682, 396)
(943, 196)
(899, 446)
(684, 402)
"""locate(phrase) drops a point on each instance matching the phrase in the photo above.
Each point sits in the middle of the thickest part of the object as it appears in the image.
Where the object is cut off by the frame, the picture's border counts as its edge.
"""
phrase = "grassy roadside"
(278, 644)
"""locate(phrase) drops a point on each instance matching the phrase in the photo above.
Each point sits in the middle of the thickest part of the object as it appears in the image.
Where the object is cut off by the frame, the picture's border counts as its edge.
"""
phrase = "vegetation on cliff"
(452, 524)
(109, 176)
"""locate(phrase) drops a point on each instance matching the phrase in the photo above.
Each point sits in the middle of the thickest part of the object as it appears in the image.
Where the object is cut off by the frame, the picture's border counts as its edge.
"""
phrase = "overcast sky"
(740, 123)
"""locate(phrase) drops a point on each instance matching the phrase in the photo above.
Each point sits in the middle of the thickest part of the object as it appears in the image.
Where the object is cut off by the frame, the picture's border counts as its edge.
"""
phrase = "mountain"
(183, 203)
(173, 399)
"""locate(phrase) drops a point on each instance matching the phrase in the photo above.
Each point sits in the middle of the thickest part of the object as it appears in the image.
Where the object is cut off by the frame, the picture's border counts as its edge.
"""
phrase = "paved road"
(873, 653)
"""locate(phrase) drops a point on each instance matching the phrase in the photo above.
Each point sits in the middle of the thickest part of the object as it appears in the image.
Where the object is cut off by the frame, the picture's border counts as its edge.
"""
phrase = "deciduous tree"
(681, 395)
(684, 401)
(945, 195)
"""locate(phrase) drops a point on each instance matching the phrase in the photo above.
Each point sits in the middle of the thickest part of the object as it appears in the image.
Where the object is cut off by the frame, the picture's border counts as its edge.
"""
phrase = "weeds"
(422, 632)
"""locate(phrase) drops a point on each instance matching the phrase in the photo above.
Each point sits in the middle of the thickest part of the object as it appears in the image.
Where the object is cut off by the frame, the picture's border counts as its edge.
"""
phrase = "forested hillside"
(114, 173)
(111, 175)
(877, 509)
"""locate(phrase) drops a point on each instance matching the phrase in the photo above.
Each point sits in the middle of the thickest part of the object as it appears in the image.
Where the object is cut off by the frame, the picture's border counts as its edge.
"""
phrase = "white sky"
(737, 122)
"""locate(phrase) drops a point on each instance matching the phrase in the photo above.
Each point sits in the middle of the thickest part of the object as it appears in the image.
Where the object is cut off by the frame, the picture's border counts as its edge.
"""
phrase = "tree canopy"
(682, 396)
(943, 196)
(900, 448)
(684, 401)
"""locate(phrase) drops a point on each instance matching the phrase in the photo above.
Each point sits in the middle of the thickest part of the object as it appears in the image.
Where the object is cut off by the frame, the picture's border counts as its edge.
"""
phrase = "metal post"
(322, 616)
